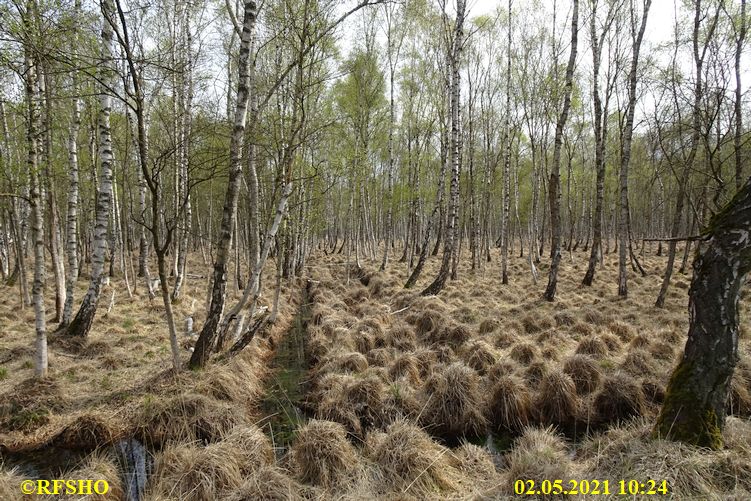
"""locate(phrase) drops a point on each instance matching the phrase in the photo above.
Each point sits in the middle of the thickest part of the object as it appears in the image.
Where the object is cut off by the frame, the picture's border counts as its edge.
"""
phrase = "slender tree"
(81, 323)
(554, 185)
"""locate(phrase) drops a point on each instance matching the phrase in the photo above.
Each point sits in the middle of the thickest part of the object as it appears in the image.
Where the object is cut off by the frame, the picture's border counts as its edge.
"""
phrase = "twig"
(403, 309)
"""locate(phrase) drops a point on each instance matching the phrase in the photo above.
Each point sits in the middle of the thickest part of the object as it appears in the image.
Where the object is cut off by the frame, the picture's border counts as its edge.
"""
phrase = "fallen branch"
(248, 336)
(403, 309)
(691, 238)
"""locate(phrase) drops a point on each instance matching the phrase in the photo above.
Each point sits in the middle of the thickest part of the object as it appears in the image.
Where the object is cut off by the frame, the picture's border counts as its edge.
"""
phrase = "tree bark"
(623, 226)
(81, 323)
(448, 250)
(554, 189)
(33, 131)
(205, 341)
(696, 397)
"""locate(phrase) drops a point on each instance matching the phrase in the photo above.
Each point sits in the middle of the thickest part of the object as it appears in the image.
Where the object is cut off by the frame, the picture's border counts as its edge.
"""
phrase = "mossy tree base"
(696, 397)
(681, 419)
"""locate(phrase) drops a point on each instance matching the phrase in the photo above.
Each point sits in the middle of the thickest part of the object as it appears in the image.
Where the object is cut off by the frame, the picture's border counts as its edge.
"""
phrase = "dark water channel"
(283, 403)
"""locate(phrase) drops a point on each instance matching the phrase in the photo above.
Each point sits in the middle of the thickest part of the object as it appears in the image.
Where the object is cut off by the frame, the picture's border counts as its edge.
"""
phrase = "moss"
(682, 418)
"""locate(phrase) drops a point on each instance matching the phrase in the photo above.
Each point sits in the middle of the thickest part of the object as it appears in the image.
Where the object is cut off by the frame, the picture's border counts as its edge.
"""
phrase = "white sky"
(659, 24)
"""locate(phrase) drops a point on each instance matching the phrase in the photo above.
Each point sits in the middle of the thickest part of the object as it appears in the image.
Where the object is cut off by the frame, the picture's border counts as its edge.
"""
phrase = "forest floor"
(363, 390)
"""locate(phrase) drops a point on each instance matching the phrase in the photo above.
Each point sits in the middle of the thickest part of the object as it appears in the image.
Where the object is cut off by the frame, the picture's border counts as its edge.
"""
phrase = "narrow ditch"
(283, 404)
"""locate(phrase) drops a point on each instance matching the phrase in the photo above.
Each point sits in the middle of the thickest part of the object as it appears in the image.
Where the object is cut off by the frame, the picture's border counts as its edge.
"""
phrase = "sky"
(659, 23)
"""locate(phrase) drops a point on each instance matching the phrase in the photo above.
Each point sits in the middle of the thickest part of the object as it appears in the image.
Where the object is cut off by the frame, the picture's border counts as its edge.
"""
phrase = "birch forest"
(375, 249)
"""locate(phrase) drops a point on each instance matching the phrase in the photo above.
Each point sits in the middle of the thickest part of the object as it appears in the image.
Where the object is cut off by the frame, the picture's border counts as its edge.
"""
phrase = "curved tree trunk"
(205, 341)
(695, 400)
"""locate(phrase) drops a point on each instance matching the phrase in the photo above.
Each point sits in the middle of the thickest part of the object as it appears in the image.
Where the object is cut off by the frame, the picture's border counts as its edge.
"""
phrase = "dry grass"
(98, 466)
(194, 472)
(620, 398)
(557, 403)
(409, 461)
(322, 455)
(584, 372)
(691, 473)
(186, 417)
(384, 363)
(10, 483)
(268, 483)
(510, 404)
(539, 454)
(454, 403)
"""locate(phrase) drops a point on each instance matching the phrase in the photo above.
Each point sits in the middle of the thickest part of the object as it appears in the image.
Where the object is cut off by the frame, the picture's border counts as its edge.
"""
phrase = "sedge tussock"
(322, 455)
(454, 402)
(409, 461)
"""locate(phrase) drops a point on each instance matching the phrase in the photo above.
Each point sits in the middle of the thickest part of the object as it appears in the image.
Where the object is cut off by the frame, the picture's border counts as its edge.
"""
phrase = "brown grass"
(539, 454)
(453, 402)
(193, 472)
(322, 455)
(268, 483)
(409, 461)
(557, 403)
(584, 372)
(524, 353)
(98, 466)
(510, 404)
(620, 398)
(691, 473)
(592, 345)
(187, 417)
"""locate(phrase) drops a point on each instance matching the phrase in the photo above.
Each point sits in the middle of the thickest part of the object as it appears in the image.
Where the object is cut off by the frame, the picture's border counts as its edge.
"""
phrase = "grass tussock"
(510, 404)
(268, 483)
(539, 454)
(524, 353)
(98, 466)
(454, 403)
(322, 455)
(620, 398)
(10, 481)
(691, 473)
(584, 372)
(410, 461)
(194, 472)
(557, 403)
(188, 417)
(88, 431)
(593, 346)
(479, 355)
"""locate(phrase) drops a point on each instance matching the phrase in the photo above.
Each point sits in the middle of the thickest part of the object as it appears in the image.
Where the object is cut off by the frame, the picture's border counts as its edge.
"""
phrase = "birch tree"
(554, 185)
(81, 323)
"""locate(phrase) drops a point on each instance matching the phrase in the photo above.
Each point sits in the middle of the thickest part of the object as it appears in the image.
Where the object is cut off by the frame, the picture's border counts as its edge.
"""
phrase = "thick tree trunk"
(696, 397)
(205, 341)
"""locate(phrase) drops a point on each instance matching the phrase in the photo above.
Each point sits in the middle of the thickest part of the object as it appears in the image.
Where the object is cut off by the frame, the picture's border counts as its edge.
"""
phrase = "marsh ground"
(405, 397)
